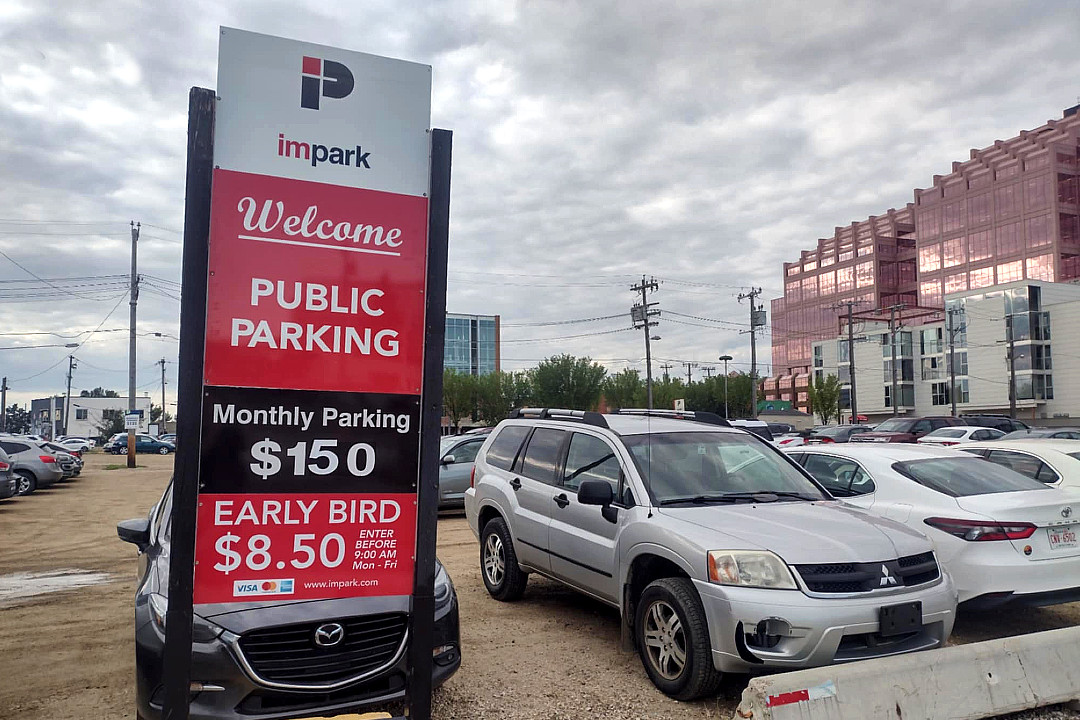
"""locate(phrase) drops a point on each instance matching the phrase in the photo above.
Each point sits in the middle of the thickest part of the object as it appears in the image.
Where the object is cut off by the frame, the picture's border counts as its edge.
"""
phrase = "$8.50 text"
(330, 553)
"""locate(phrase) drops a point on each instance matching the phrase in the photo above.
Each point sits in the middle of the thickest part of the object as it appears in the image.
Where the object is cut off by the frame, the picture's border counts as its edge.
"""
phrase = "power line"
(564, 322)
(80, 345)
(569, 337)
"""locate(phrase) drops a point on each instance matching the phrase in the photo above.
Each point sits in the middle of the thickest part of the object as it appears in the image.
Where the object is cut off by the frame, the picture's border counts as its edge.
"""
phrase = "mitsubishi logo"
(1066, 512)
(329, 635)
(887, 580)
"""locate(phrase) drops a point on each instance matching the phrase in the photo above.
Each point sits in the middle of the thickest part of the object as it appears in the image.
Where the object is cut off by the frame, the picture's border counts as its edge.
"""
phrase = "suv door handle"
(561, 500)
(516, 484)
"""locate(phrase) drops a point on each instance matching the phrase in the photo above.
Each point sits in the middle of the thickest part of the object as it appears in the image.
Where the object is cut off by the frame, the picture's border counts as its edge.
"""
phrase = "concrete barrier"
(964, 682)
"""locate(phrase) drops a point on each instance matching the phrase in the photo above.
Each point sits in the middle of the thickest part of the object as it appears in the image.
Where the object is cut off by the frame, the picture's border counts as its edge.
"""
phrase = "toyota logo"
(329, 635)
(1066, 512)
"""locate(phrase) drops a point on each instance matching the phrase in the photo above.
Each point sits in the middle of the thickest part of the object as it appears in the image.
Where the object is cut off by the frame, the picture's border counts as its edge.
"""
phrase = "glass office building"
(472, 343)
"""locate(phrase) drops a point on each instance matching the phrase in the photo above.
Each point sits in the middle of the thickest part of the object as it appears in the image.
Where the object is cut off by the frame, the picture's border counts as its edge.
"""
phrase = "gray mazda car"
(274, 660)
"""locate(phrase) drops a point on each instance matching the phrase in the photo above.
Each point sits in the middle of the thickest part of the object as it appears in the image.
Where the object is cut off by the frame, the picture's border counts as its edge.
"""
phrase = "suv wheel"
(163, 450)
(673, 640)
(27, 483)
(498, 562)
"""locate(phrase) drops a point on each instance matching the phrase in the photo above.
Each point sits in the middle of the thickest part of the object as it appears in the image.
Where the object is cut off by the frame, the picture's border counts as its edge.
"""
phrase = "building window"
(979, 246)
(954, 216)
(952, 252)
(931, 368)
(1041, 268)
(1038, 230)
(864, 274)
(930, 293)
(1009, 239)
(939, 393)
(983, 277)
(81, 413)
(1037, 192)
(979, 209)
(828, 282)
(845, 279)
(819, 356)
(955, 283)
(930, 258)
(1010, 272)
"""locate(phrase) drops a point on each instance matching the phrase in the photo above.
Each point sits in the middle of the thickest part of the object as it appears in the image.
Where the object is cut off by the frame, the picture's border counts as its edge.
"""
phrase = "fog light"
(444, 654)
(768, 633)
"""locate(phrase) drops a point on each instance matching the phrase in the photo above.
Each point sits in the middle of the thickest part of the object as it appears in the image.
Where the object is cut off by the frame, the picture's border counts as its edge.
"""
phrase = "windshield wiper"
(762, 496)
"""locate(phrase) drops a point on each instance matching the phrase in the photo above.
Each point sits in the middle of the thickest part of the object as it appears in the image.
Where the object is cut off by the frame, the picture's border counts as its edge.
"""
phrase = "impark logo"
(323, 78)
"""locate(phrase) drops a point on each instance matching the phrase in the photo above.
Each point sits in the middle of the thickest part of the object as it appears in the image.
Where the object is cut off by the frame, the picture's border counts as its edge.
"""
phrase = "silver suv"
(721, 554)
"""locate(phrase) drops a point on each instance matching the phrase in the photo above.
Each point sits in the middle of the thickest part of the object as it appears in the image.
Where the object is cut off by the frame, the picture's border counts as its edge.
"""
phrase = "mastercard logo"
(269, 585)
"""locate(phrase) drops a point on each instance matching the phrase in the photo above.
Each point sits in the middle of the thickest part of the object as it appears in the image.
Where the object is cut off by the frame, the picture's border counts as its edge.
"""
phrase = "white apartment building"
(1044, 319)
(86, 414)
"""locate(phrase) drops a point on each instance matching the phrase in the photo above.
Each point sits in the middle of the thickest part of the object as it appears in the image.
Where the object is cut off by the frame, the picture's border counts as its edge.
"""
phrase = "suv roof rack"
(583, 416)
(694, 415)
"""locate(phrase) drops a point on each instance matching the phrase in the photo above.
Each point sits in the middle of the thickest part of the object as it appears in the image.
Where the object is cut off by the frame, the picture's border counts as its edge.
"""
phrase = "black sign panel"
(305, 441)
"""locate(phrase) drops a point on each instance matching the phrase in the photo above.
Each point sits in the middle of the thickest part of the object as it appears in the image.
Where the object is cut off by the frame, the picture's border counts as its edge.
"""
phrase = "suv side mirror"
(448, 460)
(135, 531)
(599, 492)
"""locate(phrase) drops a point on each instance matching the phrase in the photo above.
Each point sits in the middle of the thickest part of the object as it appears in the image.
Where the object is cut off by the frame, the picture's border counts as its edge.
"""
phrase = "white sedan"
(1002, 536)
(959, 435)
(1053, 462)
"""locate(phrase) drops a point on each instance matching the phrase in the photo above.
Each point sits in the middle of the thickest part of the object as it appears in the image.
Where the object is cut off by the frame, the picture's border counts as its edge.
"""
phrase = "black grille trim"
(287, 657)
(908, 571)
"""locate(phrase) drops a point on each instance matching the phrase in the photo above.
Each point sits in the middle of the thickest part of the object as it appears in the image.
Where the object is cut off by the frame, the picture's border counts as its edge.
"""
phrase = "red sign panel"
(303, 546)
(315, 286)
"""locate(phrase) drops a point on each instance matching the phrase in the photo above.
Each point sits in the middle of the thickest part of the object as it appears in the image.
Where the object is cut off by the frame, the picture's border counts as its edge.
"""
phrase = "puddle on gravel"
(17, 587)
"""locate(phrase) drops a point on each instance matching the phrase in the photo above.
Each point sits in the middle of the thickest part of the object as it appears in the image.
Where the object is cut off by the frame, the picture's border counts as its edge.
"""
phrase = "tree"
(99, 392)
(824, 394)
(624, 390)
(497, 393)
(565, 381)
(112, 422)
(155, 414)
(666, 391)
(459, 396)
(18, 420)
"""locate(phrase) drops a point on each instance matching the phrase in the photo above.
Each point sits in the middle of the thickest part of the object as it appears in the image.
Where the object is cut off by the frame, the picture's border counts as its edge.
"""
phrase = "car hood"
(802, 532)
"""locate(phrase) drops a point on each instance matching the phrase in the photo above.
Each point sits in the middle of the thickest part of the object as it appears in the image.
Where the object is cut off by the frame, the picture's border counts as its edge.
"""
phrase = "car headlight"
(750, 568)
(202, 630)
(443, 586)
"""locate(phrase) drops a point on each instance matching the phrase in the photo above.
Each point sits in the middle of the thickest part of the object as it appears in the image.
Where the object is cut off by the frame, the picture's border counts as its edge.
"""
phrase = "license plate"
(1063, 538)
(900, 619)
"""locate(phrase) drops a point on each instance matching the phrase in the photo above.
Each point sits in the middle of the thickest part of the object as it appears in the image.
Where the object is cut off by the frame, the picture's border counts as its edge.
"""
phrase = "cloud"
(701, 142)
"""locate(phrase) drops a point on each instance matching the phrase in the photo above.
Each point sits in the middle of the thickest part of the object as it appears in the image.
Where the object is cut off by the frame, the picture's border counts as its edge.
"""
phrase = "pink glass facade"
(1010, 212)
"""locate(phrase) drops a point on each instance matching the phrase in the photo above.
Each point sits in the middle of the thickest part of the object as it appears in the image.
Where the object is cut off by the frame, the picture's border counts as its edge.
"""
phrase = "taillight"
(46, 458)
(472, 477)
(948, 442)
(978, 530)
(4, 467)
(826, 440)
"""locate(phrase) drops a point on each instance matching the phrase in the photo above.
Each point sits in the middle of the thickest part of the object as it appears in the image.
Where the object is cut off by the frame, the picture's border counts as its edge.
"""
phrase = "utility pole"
(854, 402)
(892, 341)
(1012, 368)
(3, 404)
(665, 367)
(689, 377)
(951, 328)
(67, 398)
(754, 324)
(164, 425)
(725, 358)
(133, 301)
(708, 370)
(641, 314)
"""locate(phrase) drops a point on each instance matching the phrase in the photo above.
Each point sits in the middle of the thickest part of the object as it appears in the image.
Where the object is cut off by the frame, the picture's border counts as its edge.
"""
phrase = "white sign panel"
(131, 421)
(311, 112)
(680, 405)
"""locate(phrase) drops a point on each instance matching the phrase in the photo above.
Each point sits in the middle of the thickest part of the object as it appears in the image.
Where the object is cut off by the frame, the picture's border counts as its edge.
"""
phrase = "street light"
(725, 359)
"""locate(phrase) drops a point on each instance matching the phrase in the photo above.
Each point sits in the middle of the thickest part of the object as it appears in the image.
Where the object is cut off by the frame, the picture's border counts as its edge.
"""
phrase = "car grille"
(866, 577)
(288, 654)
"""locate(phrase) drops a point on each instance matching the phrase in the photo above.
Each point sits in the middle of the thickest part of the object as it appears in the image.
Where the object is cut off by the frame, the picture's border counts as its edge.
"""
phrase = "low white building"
(1045, 322)
(86, 414)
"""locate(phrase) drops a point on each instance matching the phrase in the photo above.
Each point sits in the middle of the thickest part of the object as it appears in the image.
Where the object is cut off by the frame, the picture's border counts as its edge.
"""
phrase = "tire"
(670, 624)
(163, 451)
(503, 578)
(27, 482)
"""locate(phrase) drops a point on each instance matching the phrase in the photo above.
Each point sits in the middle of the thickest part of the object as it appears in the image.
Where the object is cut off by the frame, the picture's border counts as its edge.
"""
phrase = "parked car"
(457, 453)
(478, 431)
(757, 427)
(169, 438)
(721, 554)
(261, 658)
(1004, 423)
(34, 466)
(143, 444)
(789, 440)
(70, 461)
(109, 445)
(79, 445)
(1058, 433)
(781, 429)
(1002, 537)
(904, 429)
(836, 433)
(1053, 462)
(9, 482)
(959, 435)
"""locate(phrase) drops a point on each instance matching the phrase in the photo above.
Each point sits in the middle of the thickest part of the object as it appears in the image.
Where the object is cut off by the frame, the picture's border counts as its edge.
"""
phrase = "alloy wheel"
(665, 641)
(494, 560)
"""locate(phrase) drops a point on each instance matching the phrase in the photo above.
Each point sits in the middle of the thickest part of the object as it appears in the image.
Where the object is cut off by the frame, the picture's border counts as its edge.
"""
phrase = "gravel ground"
(555, 655)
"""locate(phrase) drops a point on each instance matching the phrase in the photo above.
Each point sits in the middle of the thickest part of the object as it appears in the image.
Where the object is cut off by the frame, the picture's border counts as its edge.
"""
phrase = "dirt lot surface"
(554, 655)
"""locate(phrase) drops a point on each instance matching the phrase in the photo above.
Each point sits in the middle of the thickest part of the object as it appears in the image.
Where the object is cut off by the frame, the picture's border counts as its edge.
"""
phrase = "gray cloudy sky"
(701, 142)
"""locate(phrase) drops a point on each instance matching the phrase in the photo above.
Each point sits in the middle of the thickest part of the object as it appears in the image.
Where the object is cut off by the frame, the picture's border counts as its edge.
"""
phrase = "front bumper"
(817, 631)
(235, 695)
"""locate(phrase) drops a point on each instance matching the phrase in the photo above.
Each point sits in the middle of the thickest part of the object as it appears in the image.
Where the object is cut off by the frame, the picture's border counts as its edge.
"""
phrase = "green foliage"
(112, 422)
(18, 420)
(155, 414)
(666, 391)
(625, 389)
(565, 381)
(459, 396)
(824, 394)
(500, 392)
(100, 392)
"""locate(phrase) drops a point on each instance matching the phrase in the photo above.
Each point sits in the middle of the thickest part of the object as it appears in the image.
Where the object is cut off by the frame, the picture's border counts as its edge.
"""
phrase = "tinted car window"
(1025, 464)
(542, 454)
(466, 452)
(922, 426)
(841, 477)
(895, 425)
(590, 458)
(505, 447)
(11, 447)
(961, 477)
(949, 433)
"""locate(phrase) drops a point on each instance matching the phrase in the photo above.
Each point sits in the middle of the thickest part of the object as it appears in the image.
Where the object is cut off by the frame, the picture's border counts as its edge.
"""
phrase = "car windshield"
(703, 467)
(894, 425)
(961, 477)
(948, 433)
(831, 431)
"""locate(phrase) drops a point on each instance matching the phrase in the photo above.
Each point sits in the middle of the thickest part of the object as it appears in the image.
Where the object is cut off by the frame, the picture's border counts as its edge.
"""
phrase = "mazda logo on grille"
(329, 635)
(1066, 512)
